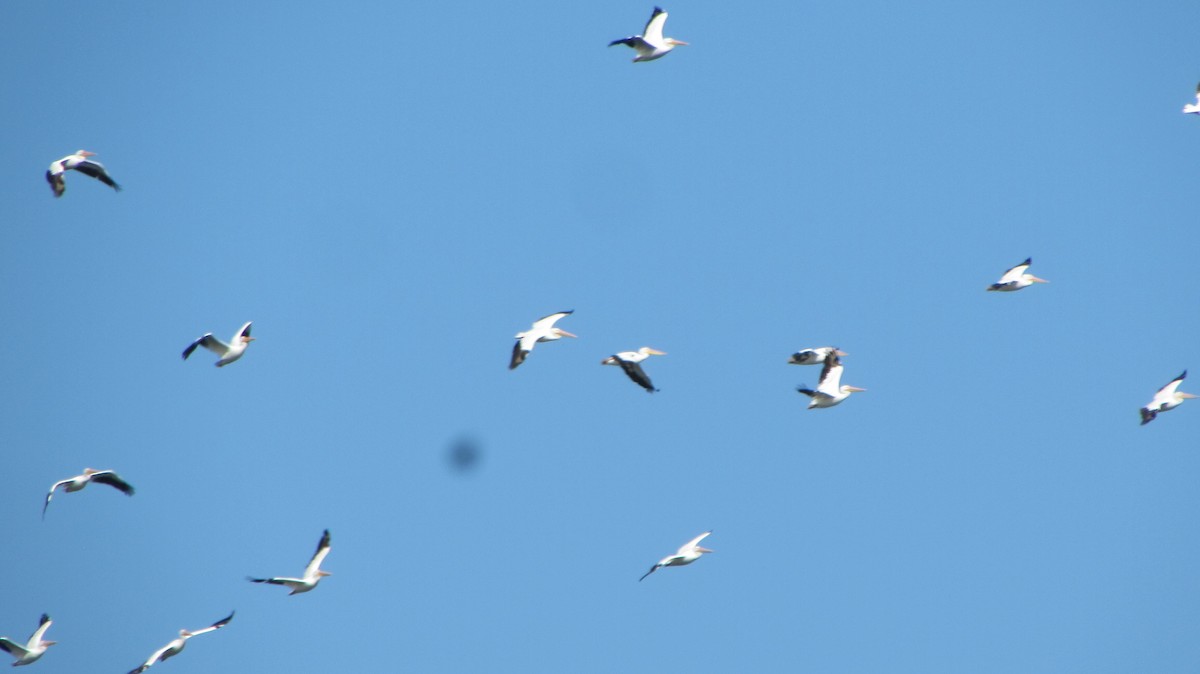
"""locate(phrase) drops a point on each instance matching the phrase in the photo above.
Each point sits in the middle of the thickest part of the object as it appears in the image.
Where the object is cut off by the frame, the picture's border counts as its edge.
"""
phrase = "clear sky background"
(391, 191)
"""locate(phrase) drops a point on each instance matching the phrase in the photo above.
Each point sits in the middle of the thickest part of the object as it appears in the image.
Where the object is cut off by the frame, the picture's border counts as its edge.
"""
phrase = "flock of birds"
(650, 45)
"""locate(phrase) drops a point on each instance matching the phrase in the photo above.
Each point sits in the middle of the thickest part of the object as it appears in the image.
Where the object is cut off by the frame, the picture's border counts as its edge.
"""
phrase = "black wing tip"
(45, 619)
(1028, 260)
(657, 10)
(1182, 376)
(224, 621)
(1148, 415)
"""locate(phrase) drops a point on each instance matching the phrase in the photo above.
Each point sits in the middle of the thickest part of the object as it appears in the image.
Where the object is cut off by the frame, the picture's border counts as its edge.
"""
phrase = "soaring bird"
(227, 352)
(1193, 108)
(33, 649)
(686, 554)
(814, 356)
(78, 482)
(630, 361)
(830, 391)
(172, 649)
(1016, 278)
(312, 573)
(1168, 398)
(79, 162)
(543, 330)
(651, 44)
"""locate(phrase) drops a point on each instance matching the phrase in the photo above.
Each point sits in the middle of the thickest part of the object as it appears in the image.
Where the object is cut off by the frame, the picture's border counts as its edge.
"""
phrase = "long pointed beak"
(700, 549)
(1038, 280)
(656, 352)
(564, 333)
(678, 42)
(839, 353)
(855, 389)
(1188, 395)
(324, 573)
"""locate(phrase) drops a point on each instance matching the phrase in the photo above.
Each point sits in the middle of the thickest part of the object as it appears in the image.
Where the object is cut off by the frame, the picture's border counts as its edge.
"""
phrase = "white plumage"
(542, 330)
(686, 554)
(33, 649)
(1016, 278)
(1167, 398)
(174, 647)
(312, 573)
(77, 162)
(830, 391)
(226, 353)
(651, 44)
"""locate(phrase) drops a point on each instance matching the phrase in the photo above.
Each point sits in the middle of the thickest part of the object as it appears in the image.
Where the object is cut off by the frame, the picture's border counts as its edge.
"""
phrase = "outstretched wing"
(518, 355)
(244, 331)
(43, 625)
(546, 322)
(56, 183)
(318, 556)
(831, 375)
(1014, 274)
(215, 626)
(636, 373)
(113, 480)
(209, 342)
(692, 543)
(653, 32)
(50, 495)
(12, 648)
(96, 170)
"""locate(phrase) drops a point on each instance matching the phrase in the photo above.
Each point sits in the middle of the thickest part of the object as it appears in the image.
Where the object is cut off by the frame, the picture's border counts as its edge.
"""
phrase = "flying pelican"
(312, 572)
(1167, 398)
(814, 356)
(630, 361)
(1016, 278)
(172, 649)
(227, 352)
(80, 162)
(686, 554)
(78, 482)
(543, 330)
(830, 391)
(651, 44)
(1193, 108)
(33, 649)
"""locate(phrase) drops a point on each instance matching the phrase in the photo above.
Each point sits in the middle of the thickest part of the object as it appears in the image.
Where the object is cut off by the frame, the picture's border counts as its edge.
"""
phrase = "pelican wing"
(1013, 275)
(243, 332)
(831, 376)
(50, 495)
(683, 549)
(43, 625)
(634, 41)
(113, 480)
(544, 323)
(653, 32)
(215, 626)
(96, 170)
(279, 580)
(1168, 392)
(209, 342)
(520, 351)
(157, 656)
(636, 373)
(57, 183)
(319, 556)
(12, 648)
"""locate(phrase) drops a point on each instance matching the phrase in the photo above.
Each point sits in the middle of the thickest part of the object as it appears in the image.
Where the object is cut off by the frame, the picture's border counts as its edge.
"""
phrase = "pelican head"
(675, 43)
(90, 471)
(85, 153)
(184, 634)
(562, 333)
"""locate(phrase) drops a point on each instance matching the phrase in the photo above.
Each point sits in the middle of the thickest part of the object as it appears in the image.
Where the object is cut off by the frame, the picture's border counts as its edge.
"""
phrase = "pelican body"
(77, 162)
(651, 44)
(312, 573)
(172, 649)
(33, 649)
(543, 330)
(830, 391)
(1167, 398)
(814, 356)
(89, 475)
(227, 353)
(686, 554)
(630, 362)
(1193, 108)
(1016, 278)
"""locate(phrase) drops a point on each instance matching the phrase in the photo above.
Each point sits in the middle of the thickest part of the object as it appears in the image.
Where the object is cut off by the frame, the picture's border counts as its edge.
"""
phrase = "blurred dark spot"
(464, 455)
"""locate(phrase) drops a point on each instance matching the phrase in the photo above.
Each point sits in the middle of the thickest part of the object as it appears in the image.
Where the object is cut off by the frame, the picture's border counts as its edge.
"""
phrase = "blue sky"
(390, 192)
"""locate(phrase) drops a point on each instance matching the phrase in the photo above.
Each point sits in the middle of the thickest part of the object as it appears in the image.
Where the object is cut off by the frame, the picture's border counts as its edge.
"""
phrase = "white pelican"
(1168, 398)
(830, 391)
(630, 362)
(1016, 278)
(312, 573)
(651, 44)
(172, 649)
(79, 162)
(686, 554)
(1193, 108)
(543, 330)
(33, 649)
(227, 352)
(814, 356)
(78, 482)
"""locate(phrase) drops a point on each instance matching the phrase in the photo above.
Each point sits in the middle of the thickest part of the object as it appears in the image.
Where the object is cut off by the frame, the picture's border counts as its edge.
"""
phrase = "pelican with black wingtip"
(1016, 278)
(77, 162)
(33, 649)
(89, 475)
(1167, 398)
(312, 573)
(651, 44)
(686, 554)
(830, 390)
(543, 330)
(815, 356)
(631, 363)
(172, 649)
(227, 353)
